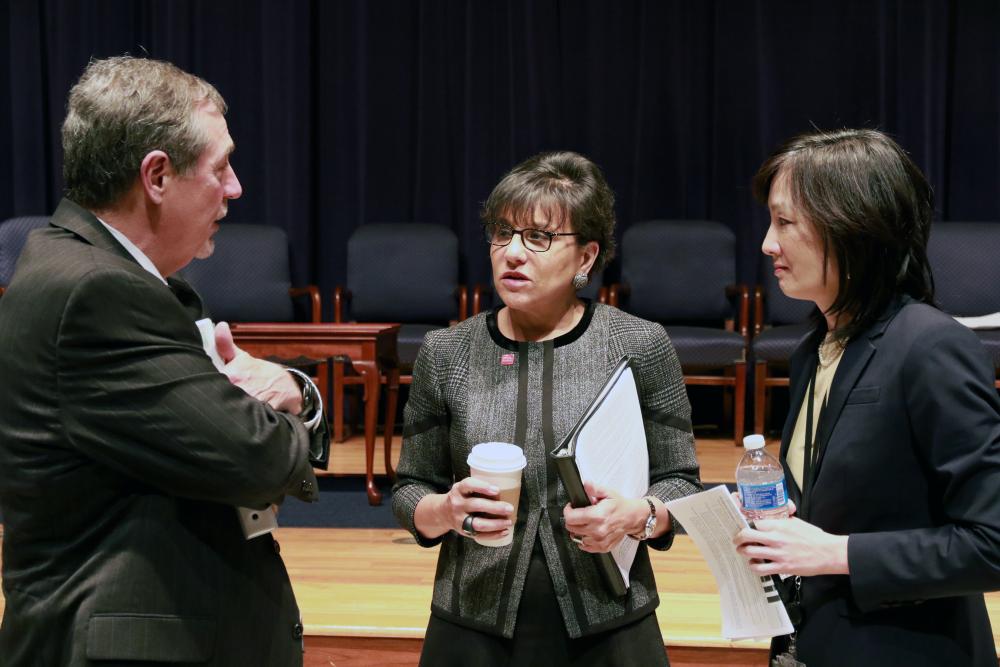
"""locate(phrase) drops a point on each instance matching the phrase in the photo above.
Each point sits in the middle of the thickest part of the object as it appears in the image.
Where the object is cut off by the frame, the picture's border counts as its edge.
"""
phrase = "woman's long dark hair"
(872, 208)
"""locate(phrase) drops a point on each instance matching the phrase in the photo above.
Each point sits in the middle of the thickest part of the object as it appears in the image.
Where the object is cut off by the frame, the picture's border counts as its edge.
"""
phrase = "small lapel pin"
(507, 360)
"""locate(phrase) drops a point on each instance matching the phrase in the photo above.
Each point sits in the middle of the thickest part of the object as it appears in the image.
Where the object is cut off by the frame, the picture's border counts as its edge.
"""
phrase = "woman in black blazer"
(892, 443)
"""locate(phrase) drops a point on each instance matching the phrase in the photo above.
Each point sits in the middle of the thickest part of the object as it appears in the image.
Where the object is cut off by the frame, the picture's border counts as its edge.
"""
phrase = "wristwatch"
(312, 402)
(650, 523)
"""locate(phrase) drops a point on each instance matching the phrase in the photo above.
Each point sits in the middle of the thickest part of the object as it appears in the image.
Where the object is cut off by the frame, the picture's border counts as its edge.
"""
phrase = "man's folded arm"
(138, 394)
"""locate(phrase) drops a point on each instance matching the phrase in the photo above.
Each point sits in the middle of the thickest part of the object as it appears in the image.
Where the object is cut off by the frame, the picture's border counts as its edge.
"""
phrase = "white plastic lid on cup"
(497, 457)
(755, 441)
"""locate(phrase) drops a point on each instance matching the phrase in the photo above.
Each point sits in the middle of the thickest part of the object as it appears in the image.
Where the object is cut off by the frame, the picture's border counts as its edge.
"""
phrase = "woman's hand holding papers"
(792, 546)
(610, 517)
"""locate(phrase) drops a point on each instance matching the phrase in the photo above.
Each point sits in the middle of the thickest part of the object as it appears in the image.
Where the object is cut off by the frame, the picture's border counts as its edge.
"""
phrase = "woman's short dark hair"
(872, 208)
(564, 185)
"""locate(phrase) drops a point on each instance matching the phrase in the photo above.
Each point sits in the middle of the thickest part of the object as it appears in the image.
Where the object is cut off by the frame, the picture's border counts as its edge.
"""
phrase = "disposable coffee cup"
(499, 464)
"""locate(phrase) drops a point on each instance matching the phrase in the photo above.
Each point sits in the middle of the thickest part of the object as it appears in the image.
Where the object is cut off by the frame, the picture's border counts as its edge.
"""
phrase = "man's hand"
(265, 381)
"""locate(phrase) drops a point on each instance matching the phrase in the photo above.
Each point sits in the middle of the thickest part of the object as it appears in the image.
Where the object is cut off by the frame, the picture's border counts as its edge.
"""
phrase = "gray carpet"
(342, 503)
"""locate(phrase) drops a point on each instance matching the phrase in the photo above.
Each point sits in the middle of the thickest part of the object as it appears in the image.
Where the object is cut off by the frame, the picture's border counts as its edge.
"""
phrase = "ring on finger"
(577, 538)
(467, 528)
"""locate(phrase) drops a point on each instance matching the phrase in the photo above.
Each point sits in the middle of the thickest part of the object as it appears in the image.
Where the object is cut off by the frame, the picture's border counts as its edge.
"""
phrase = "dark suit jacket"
(122, 454)
(910, 469)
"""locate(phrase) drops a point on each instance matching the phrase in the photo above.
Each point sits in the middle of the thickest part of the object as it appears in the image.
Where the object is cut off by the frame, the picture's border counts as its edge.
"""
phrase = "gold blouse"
(830, 353)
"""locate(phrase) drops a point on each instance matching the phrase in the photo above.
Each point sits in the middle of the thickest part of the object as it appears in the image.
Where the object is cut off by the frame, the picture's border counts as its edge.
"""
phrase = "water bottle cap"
(755, 441)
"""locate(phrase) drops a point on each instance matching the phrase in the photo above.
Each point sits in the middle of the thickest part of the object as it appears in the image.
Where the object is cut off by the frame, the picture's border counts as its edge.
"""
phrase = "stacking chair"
(398, 272)
(963, 257)
(682, 273)
(13, 235)
(248, 279)
(780, 324)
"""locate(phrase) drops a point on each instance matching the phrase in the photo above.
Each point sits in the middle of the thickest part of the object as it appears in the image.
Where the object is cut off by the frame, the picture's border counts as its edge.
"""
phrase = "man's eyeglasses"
(536, 240)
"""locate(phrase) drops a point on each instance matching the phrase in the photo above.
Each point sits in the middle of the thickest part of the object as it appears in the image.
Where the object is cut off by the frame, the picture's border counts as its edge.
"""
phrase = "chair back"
(678, 270)
(13, 236)
(248, 276)
(403, 272)
(965, 260)
(778, 308)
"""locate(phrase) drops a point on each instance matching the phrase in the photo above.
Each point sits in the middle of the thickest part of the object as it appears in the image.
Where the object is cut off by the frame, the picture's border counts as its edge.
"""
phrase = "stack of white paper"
(751, 607)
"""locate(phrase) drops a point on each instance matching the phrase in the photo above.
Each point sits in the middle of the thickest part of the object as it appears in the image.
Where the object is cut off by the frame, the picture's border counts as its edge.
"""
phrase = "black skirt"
(540, 637)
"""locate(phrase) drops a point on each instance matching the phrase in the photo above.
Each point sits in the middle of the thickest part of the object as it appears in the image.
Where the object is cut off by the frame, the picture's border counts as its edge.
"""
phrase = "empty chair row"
(679, 273)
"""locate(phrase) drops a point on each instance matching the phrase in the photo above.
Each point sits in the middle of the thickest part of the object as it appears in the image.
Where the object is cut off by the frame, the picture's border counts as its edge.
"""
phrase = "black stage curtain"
(354, 111)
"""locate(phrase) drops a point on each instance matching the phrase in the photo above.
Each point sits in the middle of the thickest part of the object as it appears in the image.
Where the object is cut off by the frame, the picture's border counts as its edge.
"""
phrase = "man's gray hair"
(121, 109)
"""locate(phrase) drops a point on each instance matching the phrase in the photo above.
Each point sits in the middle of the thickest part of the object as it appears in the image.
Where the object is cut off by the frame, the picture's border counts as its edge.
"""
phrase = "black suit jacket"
(122, 455)
(910, 469)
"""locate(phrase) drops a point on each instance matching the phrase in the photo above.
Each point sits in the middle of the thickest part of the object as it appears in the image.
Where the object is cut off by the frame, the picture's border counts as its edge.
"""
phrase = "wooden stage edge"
(367, 651)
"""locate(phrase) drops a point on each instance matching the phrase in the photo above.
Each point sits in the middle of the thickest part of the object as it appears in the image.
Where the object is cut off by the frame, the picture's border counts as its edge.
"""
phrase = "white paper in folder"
(751, 607)
(611, 451)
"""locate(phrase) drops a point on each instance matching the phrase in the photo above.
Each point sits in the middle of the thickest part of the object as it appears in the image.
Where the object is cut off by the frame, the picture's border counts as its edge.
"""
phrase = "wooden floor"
(365, 593)
(689, 613)
(376, 583)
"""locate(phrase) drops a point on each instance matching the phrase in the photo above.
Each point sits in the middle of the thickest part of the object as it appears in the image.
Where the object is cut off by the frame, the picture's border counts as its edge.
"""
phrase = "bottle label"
(764, 496)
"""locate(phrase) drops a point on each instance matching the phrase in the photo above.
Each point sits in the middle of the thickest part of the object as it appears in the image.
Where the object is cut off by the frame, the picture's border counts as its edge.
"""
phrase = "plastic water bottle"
(761, 482)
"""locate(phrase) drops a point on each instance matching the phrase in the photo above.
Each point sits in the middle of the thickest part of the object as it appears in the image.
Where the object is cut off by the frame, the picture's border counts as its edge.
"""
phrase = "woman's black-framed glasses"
(536, 240)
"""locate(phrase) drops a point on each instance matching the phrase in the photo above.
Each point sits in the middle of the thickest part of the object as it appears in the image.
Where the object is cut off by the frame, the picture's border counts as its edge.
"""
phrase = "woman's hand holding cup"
(497, 465)
(471, 497)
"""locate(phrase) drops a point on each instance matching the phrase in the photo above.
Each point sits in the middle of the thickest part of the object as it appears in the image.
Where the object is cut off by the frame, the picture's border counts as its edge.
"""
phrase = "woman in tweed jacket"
(525, 373)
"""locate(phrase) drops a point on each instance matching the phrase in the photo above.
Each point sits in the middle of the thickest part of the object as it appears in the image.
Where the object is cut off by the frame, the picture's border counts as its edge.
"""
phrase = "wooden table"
(371, 349)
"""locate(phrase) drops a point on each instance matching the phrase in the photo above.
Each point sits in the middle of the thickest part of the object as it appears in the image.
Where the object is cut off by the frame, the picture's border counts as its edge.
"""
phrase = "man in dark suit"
(123, 451)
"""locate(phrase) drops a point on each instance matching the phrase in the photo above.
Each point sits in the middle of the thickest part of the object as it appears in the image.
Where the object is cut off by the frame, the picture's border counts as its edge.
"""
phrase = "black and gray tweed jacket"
(465, 391)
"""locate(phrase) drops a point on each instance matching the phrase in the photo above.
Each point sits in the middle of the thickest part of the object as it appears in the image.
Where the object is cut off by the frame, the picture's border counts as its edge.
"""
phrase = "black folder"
(565, 459)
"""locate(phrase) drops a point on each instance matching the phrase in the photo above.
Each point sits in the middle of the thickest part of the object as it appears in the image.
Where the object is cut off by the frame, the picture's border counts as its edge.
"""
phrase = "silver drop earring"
(580, 281)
